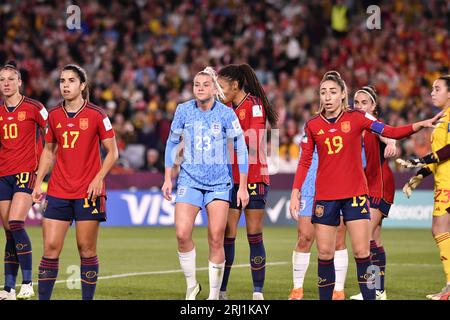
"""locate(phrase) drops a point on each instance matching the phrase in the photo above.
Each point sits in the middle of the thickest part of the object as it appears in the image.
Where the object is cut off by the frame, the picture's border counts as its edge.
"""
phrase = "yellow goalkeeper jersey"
(439, 139)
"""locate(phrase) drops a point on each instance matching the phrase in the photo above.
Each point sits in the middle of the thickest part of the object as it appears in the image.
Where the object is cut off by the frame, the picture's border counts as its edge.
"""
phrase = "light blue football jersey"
(309, 185)
(205, 134)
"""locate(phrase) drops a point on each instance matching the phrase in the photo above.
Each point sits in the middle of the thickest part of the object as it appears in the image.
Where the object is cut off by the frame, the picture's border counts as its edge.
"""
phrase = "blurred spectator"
(153, 162)
(142, 58)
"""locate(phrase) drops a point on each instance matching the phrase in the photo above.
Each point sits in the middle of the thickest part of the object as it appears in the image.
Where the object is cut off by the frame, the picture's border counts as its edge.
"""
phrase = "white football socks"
(300, 263)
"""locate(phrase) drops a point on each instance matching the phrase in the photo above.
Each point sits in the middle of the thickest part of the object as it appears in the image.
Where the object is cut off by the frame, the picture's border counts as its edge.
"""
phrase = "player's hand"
(167, 190)
(430, 123)
(294, 206)
(412, 184)
(391, 151)
(242, 197)
(411, 163)
(95, 189)
(37, 194)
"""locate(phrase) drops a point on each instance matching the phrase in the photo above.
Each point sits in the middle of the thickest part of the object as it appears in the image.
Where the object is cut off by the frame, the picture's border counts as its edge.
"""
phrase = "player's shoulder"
(96, 109)
(54, 110)
(33, 103)
(314, 119)
(250, 100)
(225, 110)
(186, 106)
(354, 112)
(222, 107)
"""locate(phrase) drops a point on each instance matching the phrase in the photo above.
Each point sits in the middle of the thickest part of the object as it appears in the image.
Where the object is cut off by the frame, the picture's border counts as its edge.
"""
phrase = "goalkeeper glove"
(412, 184)
(415, 181)
(417, 163)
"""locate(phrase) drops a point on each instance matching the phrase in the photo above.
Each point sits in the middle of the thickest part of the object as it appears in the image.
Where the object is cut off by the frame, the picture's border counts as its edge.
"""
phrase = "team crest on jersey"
(319, 211)
(84, 123)
(242, 114)
(345, 126)
(216, 127)
(21, 115)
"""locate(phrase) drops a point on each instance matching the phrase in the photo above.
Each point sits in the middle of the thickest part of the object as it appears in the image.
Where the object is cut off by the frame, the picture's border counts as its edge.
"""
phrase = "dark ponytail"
(83, 78)
(246, 77)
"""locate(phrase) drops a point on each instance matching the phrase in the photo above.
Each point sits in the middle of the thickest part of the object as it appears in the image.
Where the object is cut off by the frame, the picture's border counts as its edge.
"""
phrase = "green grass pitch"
(141, 263)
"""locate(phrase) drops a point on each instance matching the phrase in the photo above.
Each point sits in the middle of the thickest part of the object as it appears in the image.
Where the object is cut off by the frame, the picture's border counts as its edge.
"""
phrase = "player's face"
(364, 103)
(70, 85)
(440, 95)
(9, 82)
(204, 89)
(331, 97)
(229, 89)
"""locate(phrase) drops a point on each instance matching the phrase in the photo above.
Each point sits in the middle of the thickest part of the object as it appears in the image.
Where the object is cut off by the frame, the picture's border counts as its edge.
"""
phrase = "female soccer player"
(305, 238)
(438, 164)
(205, 125)
(253, 110)
(20, 118)
(380, 181)
(76, 189)
(340, 182)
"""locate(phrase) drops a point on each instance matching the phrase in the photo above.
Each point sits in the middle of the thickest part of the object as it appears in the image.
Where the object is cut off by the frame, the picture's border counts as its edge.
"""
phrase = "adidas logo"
(320, 132)
(94, 211)
(58, 126)
(22, 186)
(253, 193)
(364, 210)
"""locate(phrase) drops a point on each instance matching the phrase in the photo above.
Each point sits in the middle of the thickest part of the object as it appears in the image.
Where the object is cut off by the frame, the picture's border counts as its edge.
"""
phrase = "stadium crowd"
(142, 55)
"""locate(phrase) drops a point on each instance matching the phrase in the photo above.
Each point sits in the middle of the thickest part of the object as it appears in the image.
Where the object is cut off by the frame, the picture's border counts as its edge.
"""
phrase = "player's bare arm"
(47, 158)
(95, 187)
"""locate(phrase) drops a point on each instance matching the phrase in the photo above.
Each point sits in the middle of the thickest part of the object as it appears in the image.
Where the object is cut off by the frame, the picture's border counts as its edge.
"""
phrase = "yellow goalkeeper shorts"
(441, 202)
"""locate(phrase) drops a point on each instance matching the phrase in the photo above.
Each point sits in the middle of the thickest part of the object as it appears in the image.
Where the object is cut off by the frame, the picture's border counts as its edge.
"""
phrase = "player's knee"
(230, 232)
(340, 244)
(325, 253)
(52, 250)
(305, 242)
(215, 242)
(183, 237)
(87, 250)
(361, 253)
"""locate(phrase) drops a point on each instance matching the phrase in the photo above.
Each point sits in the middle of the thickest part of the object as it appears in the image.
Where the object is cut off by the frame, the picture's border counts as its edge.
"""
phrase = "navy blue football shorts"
(257, 196)
(75, 209)
(329, 212)
(21, 182)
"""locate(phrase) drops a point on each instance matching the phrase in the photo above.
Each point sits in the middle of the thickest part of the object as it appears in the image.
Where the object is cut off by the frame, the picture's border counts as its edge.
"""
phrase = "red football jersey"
(252, 117)
(78, 155)
(340, 174)
(379, 176)
(21, 145)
